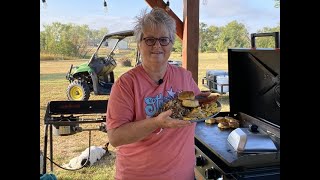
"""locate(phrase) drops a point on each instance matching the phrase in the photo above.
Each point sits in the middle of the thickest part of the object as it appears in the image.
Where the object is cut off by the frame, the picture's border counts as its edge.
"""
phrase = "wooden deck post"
(190, 42)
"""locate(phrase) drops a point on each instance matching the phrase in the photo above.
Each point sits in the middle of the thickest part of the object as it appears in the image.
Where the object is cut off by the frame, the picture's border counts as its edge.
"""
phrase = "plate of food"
(186, 106)
(208, 112)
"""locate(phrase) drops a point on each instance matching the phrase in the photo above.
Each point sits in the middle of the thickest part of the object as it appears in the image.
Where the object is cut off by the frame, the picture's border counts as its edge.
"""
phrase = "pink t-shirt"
(168, 155)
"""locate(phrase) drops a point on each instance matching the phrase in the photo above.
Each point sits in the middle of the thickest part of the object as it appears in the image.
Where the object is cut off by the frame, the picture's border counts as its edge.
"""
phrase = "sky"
(120, 14)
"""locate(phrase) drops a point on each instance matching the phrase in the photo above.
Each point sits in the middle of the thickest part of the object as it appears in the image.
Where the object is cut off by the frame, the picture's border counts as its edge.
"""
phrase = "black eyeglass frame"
(155, 41)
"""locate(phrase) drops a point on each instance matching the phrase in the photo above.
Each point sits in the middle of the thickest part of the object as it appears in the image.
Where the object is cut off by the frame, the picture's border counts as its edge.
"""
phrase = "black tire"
(78, 91)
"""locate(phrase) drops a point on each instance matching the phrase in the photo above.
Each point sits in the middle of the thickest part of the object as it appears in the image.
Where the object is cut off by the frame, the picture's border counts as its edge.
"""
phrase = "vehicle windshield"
(120, 48)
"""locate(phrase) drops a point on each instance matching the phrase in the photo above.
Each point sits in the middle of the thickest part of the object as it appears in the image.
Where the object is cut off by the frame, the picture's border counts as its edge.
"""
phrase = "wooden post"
(161, 4)
(190, 42)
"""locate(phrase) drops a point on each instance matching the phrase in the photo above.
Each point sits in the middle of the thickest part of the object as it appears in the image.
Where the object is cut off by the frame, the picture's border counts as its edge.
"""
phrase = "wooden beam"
(162, 4)
(190, 42)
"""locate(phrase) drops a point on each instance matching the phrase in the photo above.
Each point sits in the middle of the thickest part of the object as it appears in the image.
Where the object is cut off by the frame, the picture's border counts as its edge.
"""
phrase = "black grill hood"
(254, 82)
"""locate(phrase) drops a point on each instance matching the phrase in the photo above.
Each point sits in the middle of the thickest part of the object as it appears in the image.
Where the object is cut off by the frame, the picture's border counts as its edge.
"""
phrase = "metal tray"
(213, 115)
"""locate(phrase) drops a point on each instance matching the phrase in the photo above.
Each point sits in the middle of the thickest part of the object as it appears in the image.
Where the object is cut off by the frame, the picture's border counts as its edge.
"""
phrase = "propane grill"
(64, 118)
(254, 94)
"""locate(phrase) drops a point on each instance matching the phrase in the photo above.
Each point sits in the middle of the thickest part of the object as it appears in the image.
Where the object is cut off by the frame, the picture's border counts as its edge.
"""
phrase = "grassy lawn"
(53, 87)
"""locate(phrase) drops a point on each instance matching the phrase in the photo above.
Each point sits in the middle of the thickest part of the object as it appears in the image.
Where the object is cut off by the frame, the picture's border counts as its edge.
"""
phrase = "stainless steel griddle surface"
(216, 141)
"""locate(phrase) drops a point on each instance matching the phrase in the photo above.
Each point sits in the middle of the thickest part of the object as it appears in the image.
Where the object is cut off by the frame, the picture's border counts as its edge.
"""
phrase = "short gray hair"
(152, 20)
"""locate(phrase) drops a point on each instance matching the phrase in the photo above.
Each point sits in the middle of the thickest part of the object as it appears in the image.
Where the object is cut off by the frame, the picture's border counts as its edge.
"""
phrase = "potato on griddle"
(210, 121)
(223, 125)
(231, 119)
(220, 119)
(234, 124)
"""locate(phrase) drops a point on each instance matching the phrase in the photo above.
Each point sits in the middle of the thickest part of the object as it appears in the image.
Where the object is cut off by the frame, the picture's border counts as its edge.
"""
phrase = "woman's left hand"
(165, 121)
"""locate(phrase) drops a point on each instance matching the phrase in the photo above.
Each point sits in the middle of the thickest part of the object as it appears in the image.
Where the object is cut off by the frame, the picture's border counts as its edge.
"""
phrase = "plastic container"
(215, 73)
(211, 77)
(221, 80)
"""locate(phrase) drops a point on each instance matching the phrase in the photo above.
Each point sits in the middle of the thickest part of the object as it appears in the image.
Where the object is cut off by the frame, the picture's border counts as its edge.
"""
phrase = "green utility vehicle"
(97, 74)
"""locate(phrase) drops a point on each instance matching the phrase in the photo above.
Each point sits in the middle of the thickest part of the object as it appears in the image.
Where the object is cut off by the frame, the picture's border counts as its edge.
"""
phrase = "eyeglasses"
(150, 41)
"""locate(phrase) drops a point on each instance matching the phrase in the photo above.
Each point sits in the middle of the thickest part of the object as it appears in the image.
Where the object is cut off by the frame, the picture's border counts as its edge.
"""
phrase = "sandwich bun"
(190, 103)
(186, 95)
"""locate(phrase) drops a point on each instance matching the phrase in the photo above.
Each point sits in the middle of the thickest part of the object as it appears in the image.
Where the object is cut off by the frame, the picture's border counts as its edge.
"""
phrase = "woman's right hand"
(164, 120)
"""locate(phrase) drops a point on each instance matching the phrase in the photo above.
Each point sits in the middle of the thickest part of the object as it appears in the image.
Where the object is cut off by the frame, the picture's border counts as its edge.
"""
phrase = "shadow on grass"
(107, 160)
(52, 77)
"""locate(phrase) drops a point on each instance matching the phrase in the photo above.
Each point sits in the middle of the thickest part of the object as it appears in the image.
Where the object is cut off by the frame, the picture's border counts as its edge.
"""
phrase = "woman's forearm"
(131, 132)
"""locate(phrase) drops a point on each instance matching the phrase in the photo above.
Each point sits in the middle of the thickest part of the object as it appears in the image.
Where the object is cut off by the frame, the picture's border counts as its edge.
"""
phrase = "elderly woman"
(148, 147)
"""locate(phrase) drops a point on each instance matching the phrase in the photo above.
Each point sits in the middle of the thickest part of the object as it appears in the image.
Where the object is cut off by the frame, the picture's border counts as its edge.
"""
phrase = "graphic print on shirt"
(153, 104)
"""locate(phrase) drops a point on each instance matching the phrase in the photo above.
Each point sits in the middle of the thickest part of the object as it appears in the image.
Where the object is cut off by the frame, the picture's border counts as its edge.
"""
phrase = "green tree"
(202, 37)
(208, 37)
(177, 47)
(268, 41)
(94, 38)
(233, 35)
(212, 35)
(52, 37)
(277, 3)
(97, 35)
(43, 41)
(68, 39)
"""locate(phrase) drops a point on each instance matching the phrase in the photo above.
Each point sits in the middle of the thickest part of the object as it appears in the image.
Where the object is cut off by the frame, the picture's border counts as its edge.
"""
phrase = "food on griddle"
(223, 125)
(234, 124)
(226, 122)
(230, 119)
(220, 119)
(186, 107)
(210, 121)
